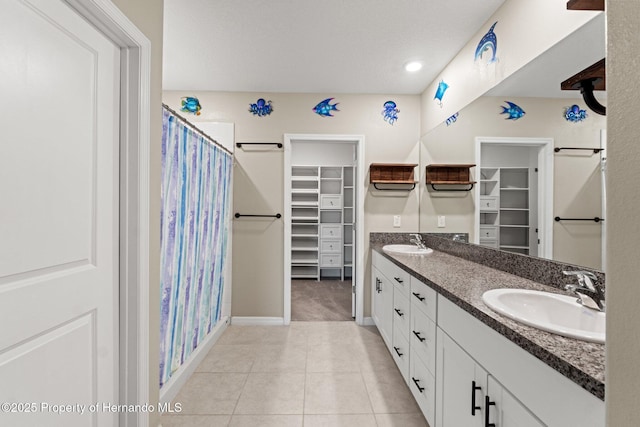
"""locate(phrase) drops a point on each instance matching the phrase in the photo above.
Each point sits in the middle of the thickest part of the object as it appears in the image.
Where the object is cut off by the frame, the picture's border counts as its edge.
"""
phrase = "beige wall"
(623, 227)
(577, 179)
(258, 245)
(147, 15)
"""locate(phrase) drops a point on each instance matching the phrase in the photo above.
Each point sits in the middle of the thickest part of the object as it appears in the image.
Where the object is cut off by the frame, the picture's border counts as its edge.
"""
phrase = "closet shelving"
(305, 217)
(504, 208)
(322, 215)
(514, 209)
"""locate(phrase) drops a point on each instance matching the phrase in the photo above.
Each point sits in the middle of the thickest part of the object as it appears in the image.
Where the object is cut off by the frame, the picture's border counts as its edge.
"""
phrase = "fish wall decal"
(325, 107)
(488, 42)
(390, 112)
(513, 111)
(190, 104)
(451, 120)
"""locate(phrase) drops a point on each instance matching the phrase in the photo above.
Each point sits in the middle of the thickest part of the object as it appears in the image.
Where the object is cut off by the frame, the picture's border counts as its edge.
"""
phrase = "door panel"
(59, 212)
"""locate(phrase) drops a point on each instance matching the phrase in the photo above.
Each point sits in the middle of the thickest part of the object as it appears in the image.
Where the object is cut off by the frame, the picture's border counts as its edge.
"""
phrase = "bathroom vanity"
(469, 366)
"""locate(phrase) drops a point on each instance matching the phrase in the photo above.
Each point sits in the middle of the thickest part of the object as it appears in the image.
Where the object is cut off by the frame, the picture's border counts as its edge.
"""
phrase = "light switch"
(441, 221)
(396, 220)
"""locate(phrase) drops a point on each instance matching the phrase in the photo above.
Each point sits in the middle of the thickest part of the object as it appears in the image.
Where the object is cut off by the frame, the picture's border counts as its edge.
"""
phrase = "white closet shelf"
(514, 189)
(513, 247)
(515, 209)
(513, 226)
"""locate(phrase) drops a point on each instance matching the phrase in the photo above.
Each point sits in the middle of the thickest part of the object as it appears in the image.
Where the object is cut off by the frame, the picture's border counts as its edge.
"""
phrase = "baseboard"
(368, 321)
(171, 388)
(254, 320)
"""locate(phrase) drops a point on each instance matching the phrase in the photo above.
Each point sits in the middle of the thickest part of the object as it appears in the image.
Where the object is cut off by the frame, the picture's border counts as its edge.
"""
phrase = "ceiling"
(542, 76)
(329, 46)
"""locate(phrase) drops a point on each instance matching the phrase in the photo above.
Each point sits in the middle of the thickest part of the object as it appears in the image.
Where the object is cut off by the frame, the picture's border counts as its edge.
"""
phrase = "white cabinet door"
(382, 291)
(504, 410)
(460, 386)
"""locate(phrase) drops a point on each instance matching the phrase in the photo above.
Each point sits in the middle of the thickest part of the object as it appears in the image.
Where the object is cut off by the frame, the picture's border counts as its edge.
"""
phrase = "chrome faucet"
(589, 294)
(417, 240)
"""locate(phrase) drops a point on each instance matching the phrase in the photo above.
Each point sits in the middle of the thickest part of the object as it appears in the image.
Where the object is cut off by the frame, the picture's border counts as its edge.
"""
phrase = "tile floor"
(306, 374)
(313, 300)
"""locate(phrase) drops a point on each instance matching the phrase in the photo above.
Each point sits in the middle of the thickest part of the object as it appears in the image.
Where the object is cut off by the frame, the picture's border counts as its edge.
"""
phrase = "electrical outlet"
(441, 221)
(396, 221)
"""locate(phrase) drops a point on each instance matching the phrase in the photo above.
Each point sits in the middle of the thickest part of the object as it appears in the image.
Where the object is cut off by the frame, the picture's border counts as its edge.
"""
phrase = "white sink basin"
(550, 312)
(405, 250)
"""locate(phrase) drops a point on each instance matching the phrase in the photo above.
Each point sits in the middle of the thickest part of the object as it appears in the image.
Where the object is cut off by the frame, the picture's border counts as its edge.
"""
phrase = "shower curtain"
(196, 177)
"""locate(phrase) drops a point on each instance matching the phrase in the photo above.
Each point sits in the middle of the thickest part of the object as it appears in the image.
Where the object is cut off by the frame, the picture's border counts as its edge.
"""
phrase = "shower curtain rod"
(195, 129)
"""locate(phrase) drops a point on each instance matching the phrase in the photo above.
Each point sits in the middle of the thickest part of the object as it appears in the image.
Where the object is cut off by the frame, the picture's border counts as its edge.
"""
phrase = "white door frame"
(545, 186)
(358, 140)
(135, 78)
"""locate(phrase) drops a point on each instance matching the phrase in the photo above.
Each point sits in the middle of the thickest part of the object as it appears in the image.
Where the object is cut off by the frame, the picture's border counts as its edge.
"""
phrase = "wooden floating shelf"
(585, 5)
(596, 73)
(449, 174)
(392, 174)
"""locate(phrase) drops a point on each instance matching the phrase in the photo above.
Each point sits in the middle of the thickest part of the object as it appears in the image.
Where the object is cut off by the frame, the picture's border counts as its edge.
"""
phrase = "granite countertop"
(463, 282)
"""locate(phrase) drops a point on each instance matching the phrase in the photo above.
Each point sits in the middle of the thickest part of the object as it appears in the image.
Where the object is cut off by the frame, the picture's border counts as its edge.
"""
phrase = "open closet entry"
(321, 218)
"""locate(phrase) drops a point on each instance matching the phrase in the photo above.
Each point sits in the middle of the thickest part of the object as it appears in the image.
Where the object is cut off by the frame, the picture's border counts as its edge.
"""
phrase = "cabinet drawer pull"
(488, 403)
(417, 334)
(474, 407)
(420, 389)
(399, 312)
(397, 349)
(399, 280)
(421, 298)
(378, 285)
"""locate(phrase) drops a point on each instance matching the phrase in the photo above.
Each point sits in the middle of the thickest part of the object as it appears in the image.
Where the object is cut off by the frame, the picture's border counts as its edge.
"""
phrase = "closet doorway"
(323, 211)
(515, 195)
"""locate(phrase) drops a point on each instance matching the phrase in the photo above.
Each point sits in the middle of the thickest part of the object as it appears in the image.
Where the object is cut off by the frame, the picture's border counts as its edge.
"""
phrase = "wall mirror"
(516, 160)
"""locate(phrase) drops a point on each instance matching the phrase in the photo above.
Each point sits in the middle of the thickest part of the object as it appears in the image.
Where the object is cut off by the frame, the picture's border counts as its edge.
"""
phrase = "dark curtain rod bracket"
(595, 150)
(240, 144)
(238, 215)
(596, 219)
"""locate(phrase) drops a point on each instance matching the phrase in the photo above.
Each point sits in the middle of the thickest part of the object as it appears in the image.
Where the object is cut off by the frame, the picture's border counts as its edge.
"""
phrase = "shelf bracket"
(394, 189)
(453, 189)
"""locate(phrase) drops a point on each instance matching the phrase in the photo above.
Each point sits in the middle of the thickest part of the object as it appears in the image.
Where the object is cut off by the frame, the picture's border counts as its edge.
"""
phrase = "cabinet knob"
(474, 407)
(487, 404)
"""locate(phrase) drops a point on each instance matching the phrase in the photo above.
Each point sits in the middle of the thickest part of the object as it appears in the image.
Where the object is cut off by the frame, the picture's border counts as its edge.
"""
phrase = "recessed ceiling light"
(413, 66)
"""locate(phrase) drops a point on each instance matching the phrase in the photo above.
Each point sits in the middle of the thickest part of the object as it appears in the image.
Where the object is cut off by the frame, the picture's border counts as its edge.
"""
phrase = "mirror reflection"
(522, 184)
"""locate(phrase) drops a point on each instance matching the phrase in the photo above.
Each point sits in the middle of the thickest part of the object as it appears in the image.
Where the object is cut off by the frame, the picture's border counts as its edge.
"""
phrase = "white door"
(58, 217)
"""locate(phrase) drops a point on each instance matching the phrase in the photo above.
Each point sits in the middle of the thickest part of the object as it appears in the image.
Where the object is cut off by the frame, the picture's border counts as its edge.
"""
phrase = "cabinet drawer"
(423, 339)
(330, 260)
(487, 233)
(423, 387)
(330, 245)
(491, 243)
(401, 311)
(423, 297)
(330, 201)
(395, 274)
(327, 230)
(400, 352)
(488, 203)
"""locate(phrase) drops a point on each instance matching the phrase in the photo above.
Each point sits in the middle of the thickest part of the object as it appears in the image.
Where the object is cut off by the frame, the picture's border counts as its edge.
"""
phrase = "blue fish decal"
(451, 120)
(442, 87)
(513, 110)
(191, 104)
(390, 112)
(488, 41)
(325, 107)
(574, 114)
(261, 108)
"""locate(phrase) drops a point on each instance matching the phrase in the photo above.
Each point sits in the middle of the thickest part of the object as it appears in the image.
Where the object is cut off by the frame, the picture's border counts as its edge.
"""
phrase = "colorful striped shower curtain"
(196, 178)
